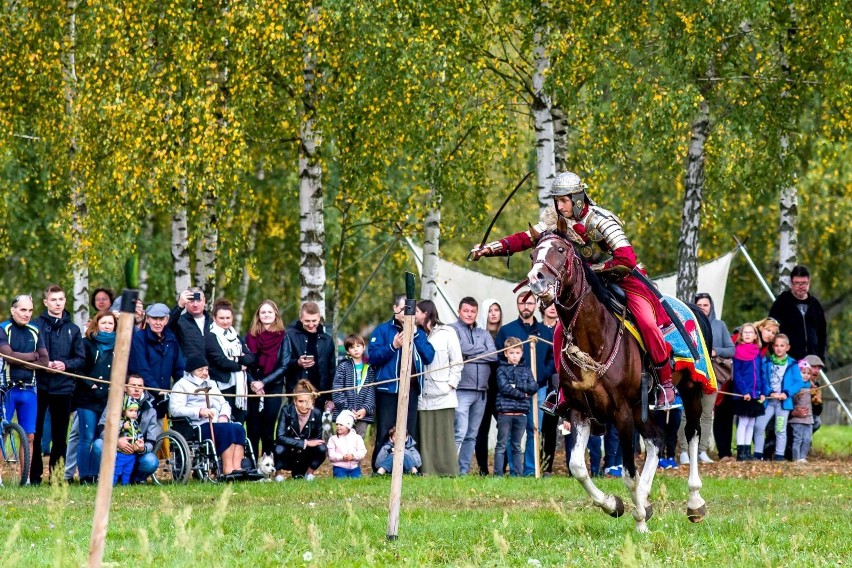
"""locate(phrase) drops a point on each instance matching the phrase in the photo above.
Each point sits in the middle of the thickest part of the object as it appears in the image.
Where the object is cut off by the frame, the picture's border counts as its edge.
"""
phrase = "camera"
(196, 296)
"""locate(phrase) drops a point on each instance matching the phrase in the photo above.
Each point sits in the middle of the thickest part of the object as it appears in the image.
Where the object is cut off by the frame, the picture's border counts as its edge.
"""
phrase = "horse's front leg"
(612, 504)
(695, 505)
(638, 485)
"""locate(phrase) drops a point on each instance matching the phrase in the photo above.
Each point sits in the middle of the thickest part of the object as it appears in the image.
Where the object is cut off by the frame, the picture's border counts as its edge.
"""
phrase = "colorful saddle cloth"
(701, 370)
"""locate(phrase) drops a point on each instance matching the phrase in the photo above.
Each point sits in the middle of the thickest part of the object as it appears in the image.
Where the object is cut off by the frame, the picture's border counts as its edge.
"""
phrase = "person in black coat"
(801, 317)
(90, 397)
(299, 445)
(64, 344)
(314, 354)
(190, 322)
(515, 385)
(228, 359)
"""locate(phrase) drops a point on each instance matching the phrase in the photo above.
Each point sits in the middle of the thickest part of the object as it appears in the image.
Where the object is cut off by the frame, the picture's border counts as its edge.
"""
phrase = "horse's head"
(552, 264)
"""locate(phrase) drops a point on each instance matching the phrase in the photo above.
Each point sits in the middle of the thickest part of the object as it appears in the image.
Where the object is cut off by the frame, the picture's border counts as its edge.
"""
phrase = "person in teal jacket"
(782, 381)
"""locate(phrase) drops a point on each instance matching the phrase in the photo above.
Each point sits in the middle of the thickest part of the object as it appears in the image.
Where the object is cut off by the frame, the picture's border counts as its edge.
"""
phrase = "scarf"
(265, 346)
(778, 360)
(104, 341)
(231, 346)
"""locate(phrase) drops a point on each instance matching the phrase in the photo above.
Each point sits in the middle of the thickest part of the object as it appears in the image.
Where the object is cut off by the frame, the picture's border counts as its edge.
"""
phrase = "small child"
(411, 461)
(781, 382)
(346, 448)
(802, 418)
(356, 375)
(515, 384)
(124, 463)
(748, 382)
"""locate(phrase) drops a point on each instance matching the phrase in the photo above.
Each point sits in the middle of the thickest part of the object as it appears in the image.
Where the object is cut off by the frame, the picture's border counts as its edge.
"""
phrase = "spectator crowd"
(467, 375)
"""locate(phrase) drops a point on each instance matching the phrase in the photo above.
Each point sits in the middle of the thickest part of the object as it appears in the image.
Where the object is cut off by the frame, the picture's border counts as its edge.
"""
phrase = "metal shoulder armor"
(603, 225)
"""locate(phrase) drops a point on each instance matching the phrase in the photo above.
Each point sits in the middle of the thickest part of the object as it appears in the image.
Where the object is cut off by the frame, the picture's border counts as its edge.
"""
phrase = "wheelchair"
(183, 455)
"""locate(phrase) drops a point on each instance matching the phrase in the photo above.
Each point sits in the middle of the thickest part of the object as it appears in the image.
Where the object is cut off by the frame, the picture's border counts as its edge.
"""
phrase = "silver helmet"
(569, 183)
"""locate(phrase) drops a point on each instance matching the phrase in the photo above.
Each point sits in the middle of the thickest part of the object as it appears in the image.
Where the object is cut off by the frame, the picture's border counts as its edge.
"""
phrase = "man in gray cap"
(156, 356)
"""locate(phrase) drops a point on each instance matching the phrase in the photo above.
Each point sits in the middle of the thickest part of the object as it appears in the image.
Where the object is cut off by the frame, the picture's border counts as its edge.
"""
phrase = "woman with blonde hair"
(299, 445)
(266, 339)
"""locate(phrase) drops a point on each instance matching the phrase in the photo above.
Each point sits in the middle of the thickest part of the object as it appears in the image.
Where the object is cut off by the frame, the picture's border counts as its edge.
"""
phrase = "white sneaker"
(309, 477)
(803, 460)
(684, 458)
(279, 478)
(704, 458)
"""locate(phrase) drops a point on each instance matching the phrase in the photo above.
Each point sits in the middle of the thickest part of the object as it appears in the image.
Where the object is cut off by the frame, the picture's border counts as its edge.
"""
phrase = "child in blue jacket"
(782, 381)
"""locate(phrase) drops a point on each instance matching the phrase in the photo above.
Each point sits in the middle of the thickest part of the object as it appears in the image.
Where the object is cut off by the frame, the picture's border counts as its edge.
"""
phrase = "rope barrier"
(31, 365)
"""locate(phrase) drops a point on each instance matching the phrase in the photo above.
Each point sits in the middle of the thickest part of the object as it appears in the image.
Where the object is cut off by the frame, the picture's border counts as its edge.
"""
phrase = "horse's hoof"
(619, 508)
(649, 512)
(696, 515)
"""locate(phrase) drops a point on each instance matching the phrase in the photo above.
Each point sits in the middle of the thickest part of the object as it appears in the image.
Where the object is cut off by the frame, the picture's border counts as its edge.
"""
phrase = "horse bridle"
(563, 273)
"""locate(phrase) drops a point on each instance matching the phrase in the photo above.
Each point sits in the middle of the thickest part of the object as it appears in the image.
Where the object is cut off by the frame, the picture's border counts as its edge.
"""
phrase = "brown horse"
(600, 375)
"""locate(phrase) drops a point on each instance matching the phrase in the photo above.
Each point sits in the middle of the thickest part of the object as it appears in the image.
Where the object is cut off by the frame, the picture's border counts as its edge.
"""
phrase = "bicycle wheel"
(15, 464)
(175, 459)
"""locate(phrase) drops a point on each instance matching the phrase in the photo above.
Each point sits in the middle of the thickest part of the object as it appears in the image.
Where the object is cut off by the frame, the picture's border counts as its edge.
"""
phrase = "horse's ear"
(534, 235)
(562, 225)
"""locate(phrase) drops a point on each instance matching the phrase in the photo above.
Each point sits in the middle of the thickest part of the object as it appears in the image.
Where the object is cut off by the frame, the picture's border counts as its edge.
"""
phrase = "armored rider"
(596, 225)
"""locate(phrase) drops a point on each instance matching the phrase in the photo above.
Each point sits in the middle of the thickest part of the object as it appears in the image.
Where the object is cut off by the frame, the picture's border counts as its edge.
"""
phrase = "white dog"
(266, 466)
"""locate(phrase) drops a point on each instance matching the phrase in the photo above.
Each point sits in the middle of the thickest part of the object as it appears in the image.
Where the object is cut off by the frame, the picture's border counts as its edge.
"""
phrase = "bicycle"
(15, 449)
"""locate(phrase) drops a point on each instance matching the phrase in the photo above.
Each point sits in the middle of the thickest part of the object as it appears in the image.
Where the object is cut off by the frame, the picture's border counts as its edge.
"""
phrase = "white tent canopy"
(455, 282)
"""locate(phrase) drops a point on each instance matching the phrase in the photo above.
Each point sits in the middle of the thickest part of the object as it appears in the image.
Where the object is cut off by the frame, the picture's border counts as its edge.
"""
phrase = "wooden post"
(536, 439)
(408, 325)
(117, 380)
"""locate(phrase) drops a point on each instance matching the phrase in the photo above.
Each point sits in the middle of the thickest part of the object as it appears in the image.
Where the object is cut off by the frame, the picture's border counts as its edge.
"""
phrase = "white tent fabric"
(456, 282)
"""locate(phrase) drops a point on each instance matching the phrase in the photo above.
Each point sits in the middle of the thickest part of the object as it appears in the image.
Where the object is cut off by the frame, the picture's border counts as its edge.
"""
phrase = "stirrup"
(548, 405)
(658, 388)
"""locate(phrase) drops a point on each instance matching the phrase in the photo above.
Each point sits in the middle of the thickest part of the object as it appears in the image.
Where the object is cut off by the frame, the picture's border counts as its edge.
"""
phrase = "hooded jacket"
(475, 342)
(791, 383)
(722, 343)
(386, 357)
(515, 384)
(64, 342)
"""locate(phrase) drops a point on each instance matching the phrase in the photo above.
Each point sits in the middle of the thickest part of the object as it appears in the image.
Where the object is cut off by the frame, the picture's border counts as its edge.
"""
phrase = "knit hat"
(130, 402)
(346, 418)
(803, 364)
(194, 362)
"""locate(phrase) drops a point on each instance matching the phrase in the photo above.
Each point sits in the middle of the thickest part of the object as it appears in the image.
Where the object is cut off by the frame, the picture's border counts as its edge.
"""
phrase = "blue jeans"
(612, 450)
(468, 416)
(45, 439)
(510, 428)
(355, 472)
(146, 463)
(529, 451)
(387, 464)
(87, 420)
(776, 414)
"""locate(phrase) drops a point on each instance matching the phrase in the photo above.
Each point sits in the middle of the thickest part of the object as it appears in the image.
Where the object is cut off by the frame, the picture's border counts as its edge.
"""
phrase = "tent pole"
(822, 374)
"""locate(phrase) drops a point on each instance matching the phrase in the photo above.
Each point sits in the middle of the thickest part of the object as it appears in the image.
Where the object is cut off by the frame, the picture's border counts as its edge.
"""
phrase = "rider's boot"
(665, 394)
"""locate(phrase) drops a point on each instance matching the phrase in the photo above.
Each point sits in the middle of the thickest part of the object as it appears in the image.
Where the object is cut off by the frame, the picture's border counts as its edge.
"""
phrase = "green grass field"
(758, 516)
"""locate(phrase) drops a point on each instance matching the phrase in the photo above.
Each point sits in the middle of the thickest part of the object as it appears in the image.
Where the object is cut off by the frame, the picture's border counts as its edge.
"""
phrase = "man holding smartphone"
(190, 322)
(314, 354)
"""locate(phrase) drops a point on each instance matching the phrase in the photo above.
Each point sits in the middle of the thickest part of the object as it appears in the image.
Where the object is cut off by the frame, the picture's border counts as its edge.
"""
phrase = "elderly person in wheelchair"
(200, 401)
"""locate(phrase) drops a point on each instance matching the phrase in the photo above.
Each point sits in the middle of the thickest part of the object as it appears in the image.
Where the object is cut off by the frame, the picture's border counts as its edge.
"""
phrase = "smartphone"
(196, 296)
(309, 357)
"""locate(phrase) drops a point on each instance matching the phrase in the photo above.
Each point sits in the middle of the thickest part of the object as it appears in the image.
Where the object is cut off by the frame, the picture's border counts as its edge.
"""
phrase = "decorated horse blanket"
(701, 370)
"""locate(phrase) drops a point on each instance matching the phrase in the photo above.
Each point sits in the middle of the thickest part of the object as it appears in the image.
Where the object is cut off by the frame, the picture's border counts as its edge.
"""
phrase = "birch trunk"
(147, 237)
(788, 242)
(311, 219)
(431, 242)
(207, 248)
(80, 271)
(180, 240)
(560, 139)
(543, 122)
(687, 250)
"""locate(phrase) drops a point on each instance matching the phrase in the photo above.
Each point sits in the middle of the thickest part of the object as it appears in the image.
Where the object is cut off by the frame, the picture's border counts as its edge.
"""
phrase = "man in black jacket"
(64, 345)
(801, 317)
(190, 322)
(314, 354)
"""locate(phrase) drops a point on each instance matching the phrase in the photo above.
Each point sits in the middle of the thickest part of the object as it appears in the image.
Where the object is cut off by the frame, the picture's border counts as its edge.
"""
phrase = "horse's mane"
(596, 284)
